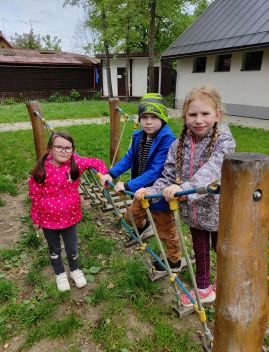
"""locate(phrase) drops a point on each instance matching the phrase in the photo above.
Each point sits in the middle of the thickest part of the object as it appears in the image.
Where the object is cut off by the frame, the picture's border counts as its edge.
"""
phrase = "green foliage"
(74, 95)
(34, 41)
(50, 43)
(170, 100)
(57, 98)
(124, 25)
(26, 40)
(7, 290)
(111, 334)
(8, 101)
(7, 184)
(167, 338)
(54, 329)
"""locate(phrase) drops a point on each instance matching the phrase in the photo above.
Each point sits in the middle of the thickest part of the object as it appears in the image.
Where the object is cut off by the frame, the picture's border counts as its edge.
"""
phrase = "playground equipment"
(242, 245)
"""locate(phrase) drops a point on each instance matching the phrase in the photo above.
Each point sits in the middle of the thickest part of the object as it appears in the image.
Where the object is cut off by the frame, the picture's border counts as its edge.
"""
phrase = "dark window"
(199, 64)
(252, 60)
(223, 62)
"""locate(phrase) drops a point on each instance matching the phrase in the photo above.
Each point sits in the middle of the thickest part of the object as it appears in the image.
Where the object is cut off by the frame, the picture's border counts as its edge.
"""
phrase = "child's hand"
(140, 193)
(119, 187)
(104, 179)
(36, 227)
(169, 192)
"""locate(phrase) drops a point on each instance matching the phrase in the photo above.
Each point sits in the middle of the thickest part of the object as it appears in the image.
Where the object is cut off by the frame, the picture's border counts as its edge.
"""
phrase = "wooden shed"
(31, 74)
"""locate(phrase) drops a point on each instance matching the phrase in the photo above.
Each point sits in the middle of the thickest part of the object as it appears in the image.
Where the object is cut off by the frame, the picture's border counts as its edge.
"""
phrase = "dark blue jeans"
(69, 236)
(201, 246)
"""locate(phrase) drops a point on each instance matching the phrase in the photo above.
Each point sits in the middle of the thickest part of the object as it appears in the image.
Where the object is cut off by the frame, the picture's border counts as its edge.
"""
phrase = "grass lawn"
(61, 111)
(120, 310)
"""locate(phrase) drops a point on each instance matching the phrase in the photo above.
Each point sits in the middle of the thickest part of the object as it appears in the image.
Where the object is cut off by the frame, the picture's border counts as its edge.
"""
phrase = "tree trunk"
(242, 296)
(152, 11)
(107, 60)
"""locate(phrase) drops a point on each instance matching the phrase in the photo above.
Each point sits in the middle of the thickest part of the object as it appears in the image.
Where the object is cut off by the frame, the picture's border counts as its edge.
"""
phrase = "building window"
(252, 61)
(199, 64)
(223, 62)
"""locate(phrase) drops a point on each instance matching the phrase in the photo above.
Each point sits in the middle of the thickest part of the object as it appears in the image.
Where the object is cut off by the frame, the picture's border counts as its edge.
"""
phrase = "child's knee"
(55, 255)
(72, 256)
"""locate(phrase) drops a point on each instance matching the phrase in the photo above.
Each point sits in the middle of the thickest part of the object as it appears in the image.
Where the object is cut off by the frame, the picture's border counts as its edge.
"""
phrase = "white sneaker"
(62, 282)
(78, 277)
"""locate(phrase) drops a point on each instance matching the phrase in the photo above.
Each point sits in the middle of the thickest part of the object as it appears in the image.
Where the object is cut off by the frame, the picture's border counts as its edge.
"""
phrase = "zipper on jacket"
(193, 145)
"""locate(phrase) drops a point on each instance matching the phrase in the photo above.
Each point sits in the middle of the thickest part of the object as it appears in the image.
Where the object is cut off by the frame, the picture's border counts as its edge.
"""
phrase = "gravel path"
(235, 120)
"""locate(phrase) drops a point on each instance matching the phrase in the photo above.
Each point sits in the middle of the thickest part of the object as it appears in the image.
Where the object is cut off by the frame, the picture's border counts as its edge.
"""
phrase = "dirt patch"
(10, 219)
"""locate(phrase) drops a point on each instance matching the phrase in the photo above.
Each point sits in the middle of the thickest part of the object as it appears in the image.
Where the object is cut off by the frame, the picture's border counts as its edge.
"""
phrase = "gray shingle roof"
(225, 25)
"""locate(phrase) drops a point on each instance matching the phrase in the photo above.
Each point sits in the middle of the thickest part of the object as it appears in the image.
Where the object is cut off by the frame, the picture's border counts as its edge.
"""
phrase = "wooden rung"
(119, 205)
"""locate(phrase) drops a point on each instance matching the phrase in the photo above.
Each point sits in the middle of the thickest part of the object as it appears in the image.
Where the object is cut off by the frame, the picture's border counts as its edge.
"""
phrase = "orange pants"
(165, 225)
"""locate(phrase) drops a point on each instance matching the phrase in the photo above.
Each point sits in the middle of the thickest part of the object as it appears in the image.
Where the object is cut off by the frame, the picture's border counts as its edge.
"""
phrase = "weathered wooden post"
(242, 297)
(114, 130)
(38, 129)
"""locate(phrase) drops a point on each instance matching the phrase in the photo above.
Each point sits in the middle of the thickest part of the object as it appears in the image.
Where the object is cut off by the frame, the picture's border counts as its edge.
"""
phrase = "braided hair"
(203, 92)
(39, 172)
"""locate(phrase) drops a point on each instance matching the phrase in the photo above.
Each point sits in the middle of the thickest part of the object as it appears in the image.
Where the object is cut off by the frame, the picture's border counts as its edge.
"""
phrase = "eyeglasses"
(60, 148)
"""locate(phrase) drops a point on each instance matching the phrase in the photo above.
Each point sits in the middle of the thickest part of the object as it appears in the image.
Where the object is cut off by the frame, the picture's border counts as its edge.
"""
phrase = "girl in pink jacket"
(56, 205)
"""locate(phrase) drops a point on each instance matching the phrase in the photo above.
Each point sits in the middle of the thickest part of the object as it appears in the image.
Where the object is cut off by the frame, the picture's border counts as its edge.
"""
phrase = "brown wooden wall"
(28, 82)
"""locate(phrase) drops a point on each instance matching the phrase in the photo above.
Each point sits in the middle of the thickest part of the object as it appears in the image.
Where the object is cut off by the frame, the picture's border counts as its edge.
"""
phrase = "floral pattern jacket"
(200, 211)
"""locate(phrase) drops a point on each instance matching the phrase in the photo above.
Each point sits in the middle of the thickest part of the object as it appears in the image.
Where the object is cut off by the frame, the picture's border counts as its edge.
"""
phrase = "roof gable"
(3, 42)
(225, 24)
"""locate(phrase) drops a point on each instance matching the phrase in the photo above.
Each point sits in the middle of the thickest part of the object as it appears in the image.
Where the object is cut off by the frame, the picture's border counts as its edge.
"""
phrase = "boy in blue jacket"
(146, 158)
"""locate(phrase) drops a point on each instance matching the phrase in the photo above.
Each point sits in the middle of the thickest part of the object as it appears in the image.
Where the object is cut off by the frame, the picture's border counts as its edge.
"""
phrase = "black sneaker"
(142, 229)
(175, 267)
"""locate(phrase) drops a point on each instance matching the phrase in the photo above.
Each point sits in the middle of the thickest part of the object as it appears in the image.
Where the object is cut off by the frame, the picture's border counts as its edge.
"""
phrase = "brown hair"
(204, 92)
(39, 172)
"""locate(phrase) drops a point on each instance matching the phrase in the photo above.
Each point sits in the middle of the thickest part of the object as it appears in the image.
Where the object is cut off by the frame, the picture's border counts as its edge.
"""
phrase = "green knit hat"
(153, 103)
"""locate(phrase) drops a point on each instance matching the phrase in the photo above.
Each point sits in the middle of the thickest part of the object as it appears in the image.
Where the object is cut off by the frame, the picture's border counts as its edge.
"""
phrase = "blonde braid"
(180, 153)
(212, 143)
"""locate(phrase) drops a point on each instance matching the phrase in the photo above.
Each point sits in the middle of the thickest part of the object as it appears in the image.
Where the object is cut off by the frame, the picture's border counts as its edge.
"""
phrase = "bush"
(74, 95)
(96, 96)
(170, 100)
(8, 101)
(57, 98)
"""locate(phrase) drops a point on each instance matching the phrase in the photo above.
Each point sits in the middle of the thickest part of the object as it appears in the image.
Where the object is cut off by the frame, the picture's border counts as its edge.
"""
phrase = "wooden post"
(38, 129)
(114, 129)
(242, 297)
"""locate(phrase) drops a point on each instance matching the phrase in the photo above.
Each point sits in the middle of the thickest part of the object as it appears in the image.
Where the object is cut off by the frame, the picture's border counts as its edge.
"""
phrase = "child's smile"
(201, 117)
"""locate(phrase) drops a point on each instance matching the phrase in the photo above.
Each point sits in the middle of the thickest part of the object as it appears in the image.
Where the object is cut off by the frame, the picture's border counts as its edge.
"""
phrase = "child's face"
(150, 124)
(61, 150)
(201, 116)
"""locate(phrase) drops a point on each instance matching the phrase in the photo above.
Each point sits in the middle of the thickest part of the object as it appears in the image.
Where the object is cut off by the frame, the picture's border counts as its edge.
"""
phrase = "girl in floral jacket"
(193, 160)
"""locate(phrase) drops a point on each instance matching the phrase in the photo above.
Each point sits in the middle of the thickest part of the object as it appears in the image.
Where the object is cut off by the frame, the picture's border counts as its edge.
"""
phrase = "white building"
(228, 47)
(138, 75)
